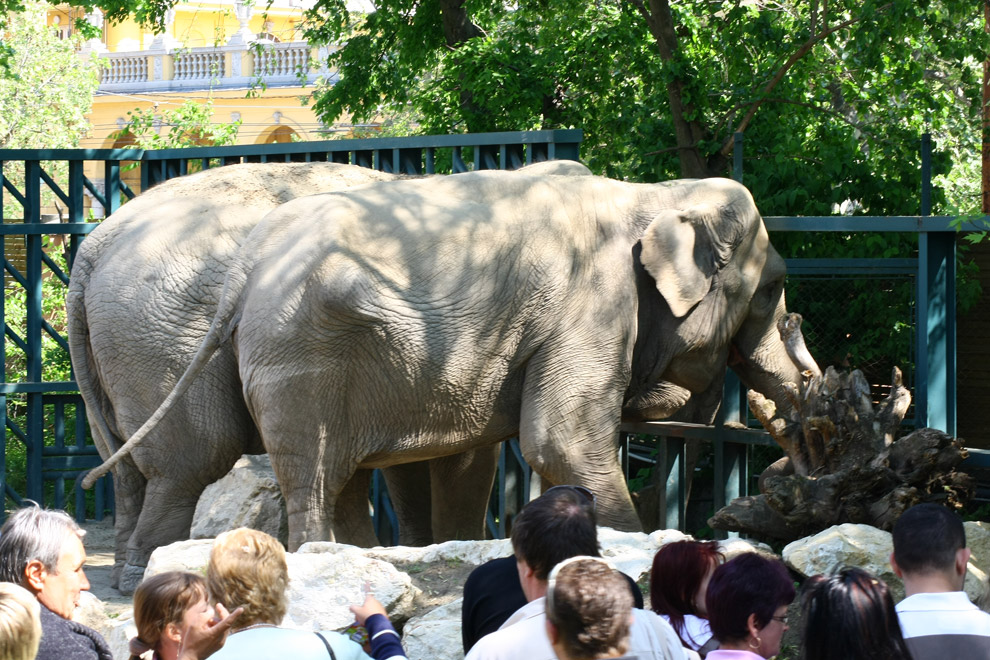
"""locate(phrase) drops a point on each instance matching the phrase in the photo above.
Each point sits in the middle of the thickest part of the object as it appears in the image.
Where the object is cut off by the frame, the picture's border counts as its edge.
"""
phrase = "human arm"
(199, 643)
(385, 642)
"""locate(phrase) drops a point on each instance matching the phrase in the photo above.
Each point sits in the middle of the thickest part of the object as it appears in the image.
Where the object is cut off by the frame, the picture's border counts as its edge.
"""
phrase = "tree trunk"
(844, 462)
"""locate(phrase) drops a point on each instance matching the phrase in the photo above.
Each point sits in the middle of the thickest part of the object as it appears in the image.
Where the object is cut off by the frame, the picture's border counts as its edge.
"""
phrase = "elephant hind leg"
(166, 517)
(129, 488)
(461, 487)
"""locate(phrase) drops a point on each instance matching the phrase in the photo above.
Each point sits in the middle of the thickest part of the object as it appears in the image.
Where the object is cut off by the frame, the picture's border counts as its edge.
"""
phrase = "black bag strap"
(327, 644)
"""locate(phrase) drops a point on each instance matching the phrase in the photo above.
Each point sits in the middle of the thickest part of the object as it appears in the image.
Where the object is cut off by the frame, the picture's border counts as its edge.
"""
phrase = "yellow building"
(249, 58)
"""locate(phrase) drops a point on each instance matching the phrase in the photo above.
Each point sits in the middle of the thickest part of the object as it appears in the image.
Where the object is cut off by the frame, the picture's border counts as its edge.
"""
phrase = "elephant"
(143, 289)
(144, 286)
(409, 320)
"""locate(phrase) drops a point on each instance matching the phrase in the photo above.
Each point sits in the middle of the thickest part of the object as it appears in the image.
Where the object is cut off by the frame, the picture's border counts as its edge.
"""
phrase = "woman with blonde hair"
(248, 569)
(20, 623)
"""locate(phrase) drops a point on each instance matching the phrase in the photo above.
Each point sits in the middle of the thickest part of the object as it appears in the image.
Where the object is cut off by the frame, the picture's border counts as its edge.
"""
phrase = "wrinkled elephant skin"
(411, 320)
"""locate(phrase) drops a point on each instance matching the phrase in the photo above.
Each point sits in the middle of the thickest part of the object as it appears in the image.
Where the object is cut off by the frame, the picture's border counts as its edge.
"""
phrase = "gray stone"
(322, 586)
(191, 556)
(248, 496)
(869, 548)
(436, 634)
(119, 638)
(848, 544)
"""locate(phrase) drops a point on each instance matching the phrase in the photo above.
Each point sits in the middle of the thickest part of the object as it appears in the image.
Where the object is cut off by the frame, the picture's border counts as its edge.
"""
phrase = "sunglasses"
(588, 496)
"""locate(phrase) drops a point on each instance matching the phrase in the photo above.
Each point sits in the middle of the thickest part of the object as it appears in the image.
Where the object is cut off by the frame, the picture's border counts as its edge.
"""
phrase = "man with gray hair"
(42, 551)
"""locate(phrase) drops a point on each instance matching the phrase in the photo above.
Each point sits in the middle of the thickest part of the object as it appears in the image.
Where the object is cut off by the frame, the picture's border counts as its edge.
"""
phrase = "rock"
(630, 552)
(845, 545)
(119, 638)
(248, 496)
(436, 634)
(191, 556)
(734, 547)
(869, 548)
(323, 581)
(322, 586)
(90, 612)
(470, 552)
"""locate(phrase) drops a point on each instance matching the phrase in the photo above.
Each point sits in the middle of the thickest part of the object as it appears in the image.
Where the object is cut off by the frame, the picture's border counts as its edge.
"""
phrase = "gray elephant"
(409, 320)
(132, 337)
(144, 287)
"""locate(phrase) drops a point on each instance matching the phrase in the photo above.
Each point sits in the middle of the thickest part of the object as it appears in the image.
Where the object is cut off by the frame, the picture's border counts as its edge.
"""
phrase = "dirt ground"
(99, 561)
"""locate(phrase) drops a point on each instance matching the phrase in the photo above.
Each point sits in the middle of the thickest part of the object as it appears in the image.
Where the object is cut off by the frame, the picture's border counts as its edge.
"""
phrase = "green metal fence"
(47, 418)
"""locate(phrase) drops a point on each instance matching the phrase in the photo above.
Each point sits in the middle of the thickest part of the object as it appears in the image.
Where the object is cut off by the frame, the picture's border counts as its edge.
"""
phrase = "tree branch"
(805, 48)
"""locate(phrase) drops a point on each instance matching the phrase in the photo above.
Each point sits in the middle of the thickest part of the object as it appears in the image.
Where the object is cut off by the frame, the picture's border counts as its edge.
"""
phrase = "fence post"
(936, 311)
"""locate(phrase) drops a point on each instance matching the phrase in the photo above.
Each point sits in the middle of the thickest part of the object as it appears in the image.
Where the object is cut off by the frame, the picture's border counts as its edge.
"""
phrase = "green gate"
(46, 417)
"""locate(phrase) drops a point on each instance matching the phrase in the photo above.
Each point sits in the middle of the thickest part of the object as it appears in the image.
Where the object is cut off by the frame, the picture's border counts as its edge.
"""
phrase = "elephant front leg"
(354, 524)
(569, 424)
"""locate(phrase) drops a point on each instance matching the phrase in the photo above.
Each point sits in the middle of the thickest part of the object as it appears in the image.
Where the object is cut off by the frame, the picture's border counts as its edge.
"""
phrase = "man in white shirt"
(556, 526)
(937, 618)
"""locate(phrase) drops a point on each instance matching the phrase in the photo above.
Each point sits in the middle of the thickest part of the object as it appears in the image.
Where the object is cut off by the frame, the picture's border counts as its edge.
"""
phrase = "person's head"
(679, 580)
(247, 569)
(164, 606)
(42, 551)
(747, 603)
(930, 541)
(20, 623)
(589, 609)
(557, 525)
(850, 616)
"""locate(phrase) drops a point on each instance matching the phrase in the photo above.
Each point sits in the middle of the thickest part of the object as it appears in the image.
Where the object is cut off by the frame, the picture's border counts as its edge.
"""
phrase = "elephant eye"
(768, 294)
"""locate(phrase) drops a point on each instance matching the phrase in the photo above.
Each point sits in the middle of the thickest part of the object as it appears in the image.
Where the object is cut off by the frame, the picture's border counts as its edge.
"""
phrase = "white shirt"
(524, 637)
(950, 613)
(697, 631)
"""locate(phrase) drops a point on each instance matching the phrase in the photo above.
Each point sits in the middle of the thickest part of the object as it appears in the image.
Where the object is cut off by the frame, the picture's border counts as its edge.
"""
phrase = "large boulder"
(323, 582)
(248, 496)
(869, 548)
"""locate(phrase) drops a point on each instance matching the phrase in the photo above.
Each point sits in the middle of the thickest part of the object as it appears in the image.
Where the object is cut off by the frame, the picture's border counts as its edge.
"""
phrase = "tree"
(48, 89)
(832, 96)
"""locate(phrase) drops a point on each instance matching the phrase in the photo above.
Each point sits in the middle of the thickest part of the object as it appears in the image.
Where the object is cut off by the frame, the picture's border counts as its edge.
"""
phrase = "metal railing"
(36, 412)
(51, 458)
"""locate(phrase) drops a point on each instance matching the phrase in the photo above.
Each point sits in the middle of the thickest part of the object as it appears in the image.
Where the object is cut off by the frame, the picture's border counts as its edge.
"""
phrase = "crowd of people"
(555, 597)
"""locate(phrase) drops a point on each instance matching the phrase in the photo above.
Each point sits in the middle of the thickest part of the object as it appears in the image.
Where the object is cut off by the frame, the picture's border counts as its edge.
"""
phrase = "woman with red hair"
(678, 583)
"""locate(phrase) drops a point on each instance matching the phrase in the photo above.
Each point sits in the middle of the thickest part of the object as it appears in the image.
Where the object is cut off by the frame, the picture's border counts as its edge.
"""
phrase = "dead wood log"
(844, 461)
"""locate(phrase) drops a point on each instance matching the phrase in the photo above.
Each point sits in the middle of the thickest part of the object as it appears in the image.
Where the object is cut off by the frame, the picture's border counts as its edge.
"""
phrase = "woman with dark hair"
(165, 606)
(850, 616)
(747, 603)
(678, 583)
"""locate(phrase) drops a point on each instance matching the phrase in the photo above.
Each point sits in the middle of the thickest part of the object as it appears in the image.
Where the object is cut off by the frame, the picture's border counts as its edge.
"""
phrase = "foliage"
(831, 103)
(188, 125)
(47, 86)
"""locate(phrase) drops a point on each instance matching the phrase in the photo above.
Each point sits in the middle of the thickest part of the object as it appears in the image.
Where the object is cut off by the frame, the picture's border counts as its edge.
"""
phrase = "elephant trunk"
(768, 367)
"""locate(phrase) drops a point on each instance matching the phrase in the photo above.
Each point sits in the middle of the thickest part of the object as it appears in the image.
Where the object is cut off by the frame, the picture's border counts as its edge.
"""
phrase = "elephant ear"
(677, 252)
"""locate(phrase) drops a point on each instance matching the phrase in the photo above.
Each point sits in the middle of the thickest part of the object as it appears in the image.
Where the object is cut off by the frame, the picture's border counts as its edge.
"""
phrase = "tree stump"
(844, 461)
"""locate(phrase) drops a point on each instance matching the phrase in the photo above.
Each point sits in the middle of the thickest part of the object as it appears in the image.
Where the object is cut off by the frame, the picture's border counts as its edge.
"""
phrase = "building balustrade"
(230, 66)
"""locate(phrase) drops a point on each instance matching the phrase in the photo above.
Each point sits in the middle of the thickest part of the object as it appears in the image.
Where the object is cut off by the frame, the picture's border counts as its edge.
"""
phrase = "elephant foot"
(130, 577)
(115, 572)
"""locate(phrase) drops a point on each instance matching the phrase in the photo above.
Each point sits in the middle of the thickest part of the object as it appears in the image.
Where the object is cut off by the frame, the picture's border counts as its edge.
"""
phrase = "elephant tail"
(211, 343)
